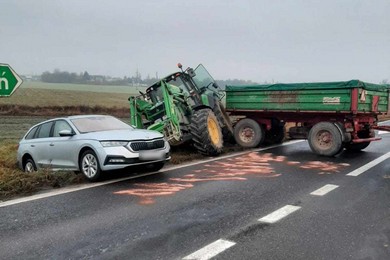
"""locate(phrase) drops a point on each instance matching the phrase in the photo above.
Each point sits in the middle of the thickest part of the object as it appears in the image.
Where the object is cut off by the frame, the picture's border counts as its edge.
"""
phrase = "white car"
(90, 144)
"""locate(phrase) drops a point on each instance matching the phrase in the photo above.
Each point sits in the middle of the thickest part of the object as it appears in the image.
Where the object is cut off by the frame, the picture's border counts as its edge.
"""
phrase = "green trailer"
(330, 115)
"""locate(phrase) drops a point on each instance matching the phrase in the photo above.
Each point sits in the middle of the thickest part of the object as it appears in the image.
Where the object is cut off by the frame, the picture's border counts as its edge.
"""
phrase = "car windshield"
(99, 123)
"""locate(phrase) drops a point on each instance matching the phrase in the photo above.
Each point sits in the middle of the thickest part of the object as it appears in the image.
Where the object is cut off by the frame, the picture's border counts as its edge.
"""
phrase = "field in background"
(51, 94)
(82, 87)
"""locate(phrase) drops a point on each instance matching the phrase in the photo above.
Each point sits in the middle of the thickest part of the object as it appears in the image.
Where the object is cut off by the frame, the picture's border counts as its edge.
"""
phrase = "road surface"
(277, 203)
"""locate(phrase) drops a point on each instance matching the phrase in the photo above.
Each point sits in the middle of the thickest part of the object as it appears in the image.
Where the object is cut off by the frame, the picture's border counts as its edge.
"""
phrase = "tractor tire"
(325, 139)
(248, 133)
(224, 122)
(206, 132)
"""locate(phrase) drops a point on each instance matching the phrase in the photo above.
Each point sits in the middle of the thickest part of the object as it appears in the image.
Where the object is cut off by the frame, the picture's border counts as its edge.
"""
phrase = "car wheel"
(89, 166)
(29, 166)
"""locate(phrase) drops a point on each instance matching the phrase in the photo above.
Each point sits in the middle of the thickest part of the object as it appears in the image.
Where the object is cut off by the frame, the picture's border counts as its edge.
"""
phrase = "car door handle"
(32, 145)
(51, 144)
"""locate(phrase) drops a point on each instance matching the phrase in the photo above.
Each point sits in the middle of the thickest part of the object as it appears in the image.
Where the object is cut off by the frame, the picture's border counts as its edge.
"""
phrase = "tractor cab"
(179, 106)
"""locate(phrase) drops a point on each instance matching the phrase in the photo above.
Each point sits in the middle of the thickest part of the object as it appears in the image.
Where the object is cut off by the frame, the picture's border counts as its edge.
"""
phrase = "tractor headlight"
(113, 143)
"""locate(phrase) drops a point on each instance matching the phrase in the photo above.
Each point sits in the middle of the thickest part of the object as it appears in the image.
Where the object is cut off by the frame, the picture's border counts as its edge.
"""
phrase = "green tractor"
(185, 106)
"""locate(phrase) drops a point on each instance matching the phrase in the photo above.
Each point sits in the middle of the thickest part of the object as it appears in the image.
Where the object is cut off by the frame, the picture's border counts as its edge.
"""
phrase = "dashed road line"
(324, 190)
(210, 250)
(368, 166)
(279, 214)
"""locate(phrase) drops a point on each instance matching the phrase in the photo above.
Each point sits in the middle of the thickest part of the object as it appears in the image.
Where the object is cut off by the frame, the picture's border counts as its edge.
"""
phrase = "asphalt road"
(256, 205)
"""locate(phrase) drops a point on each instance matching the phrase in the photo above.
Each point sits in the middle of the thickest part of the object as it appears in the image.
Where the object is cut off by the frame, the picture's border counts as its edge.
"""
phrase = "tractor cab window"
(178, 82)
(156, 94)
(203, 78)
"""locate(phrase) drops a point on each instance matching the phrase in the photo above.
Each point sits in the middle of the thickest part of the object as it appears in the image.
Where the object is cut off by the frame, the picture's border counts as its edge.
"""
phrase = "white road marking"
(279, 214)
(210, 250)
(67, 190)
(368, 166)
(324, 190)
(93, 185)
(382, 132)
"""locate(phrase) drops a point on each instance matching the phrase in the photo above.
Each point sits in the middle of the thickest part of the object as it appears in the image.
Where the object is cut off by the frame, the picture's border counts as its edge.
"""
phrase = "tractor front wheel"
(206, 132)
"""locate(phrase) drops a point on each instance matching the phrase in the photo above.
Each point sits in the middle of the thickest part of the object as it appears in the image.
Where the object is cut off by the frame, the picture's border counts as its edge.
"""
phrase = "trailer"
(330, 115)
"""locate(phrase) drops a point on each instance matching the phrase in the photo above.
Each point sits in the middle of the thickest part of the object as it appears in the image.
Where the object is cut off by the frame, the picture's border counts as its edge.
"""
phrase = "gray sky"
(281, 40)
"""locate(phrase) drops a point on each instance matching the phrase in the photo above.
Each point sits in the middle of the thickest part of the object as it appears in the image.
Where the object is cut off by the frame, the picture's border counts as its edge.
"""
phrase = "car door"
(39, 146)
(63, 149)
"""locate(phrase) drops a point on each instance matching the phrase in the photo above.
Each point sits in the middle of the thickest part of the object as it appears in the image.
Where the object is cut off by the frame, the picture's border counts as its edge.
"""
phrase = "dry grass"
(14, 182)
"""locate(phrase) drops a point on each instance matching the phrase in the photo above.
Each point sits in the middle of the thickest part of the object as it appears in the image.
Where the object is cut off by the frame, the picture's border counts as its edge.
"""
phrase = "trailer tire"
(356, 147)
(276, 134)
(206, 132)
(248, 133)
(325, 139)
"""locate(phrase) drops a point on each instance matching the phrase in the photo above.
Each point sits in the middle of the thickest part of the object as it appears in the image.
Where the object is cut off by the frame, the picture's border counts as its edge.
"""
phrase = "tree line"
(58, 76)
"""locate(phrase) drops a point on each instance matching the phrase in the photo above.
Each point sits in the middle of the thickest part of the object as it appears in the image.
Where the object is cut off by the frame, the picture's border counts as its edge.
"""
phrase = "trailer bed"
(352, 96)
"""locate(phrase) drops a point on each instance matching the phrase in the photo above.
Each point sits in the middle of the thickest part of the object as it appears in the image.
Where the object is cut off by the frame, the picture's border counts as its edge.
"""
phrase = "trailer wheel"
(248, 133)
(206, 132)
(276, 134)
(325, 139)
(357, 146)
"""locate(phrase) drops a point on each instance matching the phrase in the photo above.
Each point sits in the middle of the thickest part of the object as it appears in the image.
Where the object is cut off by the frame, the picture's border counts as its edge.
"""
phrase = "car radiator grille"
(143, 145)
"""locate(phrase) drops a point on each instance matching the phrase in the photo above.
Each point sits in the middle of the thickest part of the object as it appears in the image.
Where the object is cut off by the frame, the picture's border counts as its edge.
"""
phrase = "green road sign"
(9, 80)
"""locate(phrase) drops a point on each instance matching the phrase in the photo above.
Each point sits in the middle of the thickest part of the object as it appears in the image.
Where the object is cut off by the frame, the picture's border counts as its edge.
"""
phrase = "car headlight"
(113, 143)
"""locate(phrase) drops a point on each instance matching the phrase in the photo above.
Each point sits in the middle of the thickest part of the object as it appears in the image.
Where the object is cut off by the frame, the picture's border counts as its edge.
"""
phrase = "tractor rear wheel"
(206, 132)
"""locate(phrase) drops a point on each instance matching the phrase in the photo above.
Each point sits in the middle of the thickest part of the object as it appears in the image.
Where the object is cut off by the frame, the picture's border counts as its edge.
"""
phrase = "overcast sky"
(280, 40)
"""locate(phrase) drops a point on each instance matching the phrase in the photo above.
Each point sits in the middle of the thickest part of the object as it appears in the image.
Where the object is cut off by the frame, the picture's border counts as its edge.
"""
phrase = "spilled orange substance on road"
(324, 167)
(232, 169)
(146, 191)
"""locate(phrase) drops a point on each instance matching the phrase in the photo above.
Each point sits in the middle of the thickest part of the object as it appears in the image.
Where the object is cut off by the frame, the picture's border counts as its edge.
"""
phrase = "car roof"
(69, 117)
(85, 116)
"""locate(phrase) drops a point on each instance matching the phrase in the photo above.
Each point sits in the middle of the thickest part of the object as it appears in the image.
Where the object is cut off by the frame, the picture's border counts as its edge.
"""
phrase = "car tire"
(29, 166)
(89, 166)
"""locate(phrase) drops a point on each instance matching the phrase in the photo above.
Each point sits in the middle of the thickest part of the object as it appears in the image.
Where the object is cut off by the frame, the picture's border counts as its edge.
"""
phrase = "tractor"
(185, 106)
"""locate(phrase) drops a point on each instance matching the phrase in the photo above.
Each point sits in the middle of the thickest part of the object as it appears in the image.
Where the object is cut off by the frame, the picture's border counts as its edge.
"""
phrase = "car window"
(31, 134)
(99, 123)
(59, 126)
(44, 130)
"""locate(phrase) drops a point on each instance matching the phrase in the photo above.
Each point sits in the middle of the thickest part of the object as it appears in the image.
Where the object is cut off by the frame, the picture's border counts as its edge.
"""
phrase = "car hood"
(125, 135)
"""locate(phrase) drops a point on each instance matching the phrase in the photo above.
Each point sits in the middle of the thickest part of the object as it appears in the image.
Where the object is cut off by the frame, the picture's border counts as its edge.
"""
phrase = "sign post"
(9, 80)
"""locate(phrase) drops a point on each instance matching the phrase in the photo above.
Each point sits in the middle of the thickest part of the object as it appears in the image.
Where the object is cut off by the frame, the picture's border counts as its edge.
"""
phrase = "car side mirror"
(66, 133)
